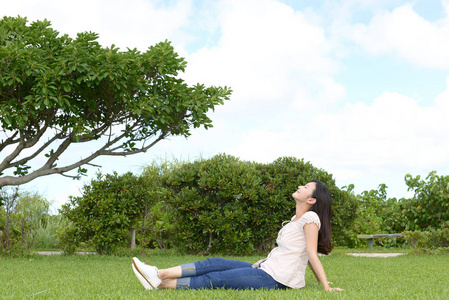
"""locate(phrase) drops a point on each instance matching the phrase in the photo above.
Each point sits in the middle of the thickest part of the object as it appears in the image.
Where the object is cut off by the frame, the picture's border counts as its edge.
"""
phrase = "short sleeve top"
(287, 263)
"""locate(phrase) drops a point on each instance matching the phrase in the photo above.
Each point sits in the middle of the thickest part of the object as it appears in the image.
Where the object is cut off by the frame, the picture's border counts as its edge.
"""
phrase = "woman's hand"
(257, 264)
(335, 289)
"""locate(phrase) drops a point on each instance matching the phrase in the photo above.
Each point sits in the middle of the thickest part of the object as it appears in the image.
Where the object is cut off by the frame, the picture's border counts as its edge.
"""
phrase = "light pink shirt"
(287, 263)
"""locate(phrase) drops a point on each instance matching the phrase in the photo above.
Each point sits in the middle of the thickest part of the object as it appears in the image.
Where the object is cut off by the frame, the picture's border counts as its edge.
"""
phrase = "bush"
(429, 207)
(282, 177)
(102, 217)
(156, 223)
(211, 202)
(67, 236)
(231, 206)
(376, 215)
(215, 205)
(46, 232)
(25, 222)
(430, 241)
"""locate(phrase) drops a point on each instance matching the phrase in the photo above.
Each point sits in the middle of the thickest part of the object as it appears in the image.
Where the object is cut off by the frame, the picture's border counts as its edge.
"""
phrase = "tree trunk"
(132, 244)
(7, 230)
(23, 231)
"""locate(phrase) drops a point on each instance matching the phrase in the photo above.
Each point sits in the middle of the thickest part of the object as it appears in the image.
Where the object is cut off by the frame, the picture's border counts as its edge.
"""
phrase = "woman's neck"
(300, 210)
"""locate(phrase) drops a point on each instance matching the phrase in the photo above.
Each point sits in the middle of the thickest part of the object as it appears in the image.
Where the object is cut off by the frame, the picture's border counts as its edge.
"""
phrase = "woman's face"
(304, 192)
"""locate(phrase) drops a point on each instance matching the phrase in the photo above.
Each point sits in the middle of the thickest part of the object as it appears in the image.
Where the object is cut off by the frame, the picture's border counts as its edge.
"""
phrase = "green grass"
(109, 277)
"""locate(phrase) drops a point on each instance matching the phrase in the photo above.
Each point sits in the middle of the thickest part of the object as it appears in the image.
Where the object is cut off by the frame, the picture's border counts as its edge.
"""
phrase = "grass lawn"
(108, 277)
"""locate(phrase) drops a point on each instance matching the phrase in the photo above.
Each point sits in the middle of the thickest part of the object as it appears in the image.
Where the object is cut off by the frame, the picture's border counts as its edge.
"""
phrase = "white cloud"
(408, 35)
(267, 52)
(125, 23)
(393, 133)
(367, 144)
(442, 100)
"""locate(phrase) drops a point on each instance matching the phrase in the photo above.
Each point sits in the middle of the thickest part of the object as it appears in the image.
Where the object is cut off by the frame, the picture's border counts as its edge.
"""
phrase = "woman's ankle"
(168, 284)
(171, 273)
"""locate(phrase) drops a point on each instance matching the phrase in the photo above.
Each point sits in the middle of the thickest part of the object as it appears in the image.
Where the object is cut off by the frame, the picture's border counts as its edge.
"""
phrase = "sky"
(359, 89)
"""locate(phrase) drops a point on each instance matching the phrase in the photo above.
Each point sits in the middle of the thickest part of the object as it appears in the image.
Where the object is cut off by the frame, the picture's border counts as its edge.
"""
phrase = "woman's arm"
(313, 271)
(311, 232)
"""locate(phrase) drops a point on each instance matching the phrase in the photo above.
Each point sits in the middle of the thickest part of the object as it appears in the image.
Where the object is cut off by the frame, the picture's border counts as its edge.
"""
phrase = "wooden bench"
(370, 237)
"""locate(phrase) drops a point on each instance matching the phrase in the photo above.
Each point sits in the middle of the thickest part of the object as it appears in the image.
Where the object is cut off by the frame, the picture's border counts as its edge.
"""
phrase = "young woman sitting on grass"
(299, 242)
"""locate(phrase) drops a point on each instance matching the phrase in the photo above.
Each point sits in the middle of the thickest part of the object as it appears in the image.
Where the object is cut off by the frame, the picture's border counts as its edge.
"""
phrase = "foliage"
(227, 205)
(415, 238)
(46, 234)
(67, 236)
(281, 178)
(426, 211)
(102, 217)
(376, 215)
(57, 92)
(371, 211)
(429, 207)
(26, 221)
(210, 200)
(429, 241)
(10, 198)
(156, 225)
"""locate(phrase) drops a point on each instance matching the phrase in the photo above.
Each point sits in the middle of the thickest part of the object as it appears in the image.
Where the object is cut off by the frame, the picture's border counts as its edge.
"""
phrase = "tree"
(57, 92)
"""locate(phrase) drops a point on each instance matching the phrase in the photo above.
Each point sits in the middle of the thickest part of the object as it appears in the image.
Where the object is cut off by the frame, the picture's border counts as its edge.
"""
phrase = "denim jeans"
(224, 273)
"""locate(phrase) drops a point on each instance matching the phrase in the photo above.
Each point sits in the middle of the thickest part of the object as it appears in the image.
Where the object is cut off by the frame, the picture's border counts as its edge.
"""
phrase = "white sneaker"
(148, 274)
(142, 280)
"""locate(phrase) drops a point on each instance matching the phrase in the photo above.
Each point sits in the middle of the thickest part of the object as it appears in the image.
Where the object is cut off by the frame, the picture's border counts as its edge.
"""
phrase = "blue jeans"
(224, 273)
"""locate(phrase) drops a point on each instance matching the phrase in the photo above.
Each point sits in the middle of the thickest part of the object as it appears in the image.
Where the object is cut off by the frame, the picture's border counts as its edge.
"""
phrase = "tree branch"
(37, 152)
(7, 161)
(49, 168)
(9, 141)
(143, 149)
(24, 144)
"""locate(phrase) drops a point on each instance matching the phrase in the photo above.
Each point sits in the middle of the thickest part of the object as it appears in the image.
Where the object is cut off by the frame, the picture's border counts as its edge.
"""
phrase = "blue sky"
(358, 88)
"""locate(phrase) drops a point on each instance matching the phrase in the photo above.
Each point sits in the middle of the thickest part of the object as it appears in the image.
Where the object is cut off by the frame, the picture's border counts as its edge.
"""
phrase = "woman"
(299, 242)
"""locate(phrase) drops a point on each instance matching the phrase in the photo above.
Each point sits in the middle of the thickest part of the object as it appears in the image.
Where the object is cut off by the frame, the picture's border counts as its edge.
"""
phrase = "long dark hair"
(323, 208)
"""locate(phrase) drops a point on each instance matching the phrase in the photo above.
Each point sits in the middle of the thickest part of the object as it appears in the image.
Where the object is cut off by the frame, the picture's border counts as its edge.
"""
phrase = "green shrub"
(25, 222)
(156, 224)
(221, 204)
(210, 201)
(67, 235)
(102, 217)
(430, 241)
(282, 177)
(231, 206)
(429, 207)
(46, 236)
(376, 215)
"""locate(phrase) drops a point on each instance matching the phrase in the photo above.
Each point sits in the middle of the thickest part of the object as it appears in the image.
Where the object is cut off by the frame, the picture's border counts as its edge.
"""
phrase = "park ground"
(407, 276)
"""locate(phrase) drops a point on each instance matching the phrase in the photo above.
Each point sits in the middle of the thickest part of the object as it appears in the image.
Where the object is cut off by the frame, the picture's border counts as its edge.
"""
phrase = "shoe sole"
(142, 279)
(146, 279)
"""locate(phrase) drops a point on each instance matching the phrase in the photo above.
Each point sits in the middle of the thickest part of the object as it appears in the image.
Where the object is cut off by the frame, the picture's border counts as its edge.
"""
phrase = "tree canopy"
(57, 92)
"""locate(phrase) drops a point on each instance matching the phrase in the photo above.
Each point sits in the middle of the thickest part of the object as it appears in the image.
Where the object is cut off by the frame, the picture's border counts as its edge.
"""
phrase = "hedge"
(231, 206)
